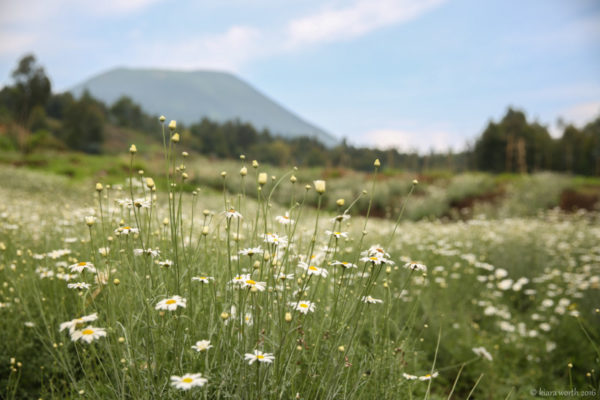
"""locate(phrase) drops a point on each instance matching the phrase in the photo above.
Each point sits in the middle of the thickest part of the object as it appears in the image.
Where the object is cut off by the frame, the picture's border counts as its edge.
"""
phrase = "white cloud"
(582, 113)
(361, 18)
(229, 50)
(410, 140)
(16, 44)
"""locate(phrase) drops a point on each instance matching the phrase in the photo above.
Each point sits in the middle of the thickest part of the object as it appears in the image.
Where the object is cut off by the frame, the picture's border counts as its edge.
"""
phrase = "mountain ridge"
(188, 96)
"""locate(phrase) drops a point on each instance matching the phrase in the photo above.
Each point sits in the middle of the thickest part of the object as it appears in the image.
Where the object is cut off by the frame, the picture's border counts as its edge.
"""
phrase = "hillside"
(189, 96)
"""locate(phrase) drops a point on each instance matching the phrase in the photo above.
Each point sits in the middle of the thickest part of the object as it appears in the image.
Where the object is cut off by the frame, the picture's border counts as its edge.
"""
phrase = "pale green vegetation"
(522, 291)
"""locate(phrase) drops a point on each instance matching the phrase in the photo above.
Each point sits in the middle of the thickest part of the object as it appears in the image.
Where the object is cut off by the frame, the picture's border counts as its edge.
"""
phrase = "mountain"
(189, 96)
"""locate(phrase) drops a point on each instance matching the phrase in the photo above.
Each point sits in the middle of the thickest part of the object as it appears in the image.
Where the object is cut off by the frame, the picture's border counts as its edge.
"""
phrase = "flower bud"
(205, 230)
(116, 282)
(132, 149)
(319, 186)
(262, 178)
(244, 171)
(173, 125)
(288, 317)
(185, 154)
(150, 183)
(254, 164)
(175, 138)
(377, 163)
(293, 179)
(415, 182)
(162, 118)
(340, 202)
(99, 187)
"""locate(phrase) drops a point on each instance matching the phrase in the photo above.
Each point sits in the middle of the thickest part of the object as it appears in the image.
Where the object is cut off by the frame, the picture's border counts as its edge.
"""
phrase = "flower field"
(134, 291)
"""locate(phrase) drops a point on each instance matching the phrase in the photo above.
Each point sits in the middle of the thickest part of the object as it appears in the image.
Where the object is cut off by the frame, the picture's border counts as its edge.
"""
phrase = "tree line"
(32, 117)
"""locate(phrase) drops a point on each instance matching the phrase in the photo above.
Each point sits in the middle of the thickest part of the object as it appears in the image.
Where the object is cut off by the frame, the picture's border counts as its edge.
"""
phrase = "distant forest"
(32, 118)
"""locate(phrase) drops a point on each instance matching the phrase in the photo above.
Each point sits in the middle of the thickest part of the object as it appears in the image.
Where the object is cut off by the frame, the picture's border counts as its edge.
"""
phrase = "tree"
(83, 126)
(32, 88)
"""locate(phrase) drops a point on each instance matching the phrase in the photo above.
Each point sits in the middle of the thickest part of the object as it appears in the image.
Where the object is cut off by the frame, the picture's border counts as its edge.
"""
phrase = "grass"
(524, 288)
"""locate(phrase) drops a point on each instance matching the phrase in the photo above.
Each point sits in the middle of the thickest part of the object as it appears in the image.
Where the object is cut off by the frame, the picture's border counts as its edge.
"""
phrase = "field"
(273, 287)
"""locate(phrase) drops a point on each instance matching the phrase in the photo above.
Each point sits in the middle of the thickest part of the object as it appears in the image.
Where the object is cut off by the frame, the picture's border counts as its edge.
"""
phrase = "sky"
(411, 74)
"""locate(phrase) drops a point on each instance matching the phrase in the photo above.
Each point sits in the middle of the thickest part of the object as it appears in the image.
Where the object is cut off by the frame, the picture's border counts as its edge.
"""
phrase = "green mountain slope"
(189, 96)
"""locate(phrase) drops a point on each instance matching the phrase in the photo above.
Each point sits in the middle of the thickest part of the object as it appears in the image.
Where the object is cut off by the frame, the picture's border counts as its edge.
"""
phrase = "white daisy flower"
(81, 266)
(165, 263)
(202, 345)
(259, 356)
(376, 260)
(188, 381)
(72, 324)
(250, 251)
(125, 230)
(78, 285)
(414, 266)
(273, 238)
(283, 277)
(252, 284)
(304, 306)
(376, 250)
(482, 352)
(312, 270)
(370, 300)
(240, 279)
(284, 219)
(142, 203)
(171, 303)
(232, 214)
(344, 264)
(409, 377)
(203, 279)
(337, 234)
(428, 377)
(88, 334)
(341, 218)
(147, 252)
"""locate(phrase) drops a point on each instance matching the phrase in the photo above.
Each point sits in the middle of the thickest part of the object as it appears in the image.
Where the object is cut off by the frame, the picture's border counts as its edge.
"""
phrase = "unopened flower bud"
(132, 149)
(293, 179)
(319, 186)
(175, 138)
(244, 171)
(173, 125)
(288, 317)
(150, 183)
(377, 163)
(99, 187)
(162, 118)
(340, 202)
(262, 178)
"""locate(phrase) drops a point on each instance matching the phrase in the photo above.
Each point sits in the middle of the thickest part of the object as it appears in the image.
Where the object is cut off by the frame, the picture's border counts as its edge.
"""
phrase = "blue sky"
(412, 74)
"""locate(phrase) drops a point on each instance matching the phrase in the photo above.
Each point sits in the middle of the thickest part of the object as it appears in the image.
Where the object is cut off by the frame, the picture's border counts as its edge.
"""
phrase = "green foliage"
(83, 127)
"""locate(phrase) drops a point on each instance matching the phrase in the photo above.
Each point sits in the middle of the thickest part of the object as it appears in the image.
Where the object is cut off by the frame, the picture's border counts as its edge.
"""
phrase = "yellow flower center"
(203, 278)
(344, 262)
(260, 357)
(87, 331)
(126, 227)
(373, 258)
(337, 233)
(171, 301)
(187, 380)
(81, 264)
(428, 376)
(304, 305)
(250, 282)
(313, 268)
